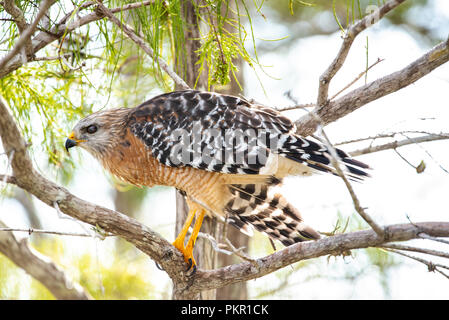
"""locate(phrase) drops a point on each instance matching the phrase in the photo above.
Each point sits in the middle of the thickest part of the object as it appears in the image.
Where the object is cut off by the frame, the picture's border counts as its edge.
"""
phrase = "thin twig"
(219, 247)
(426, 236)
(430, 155)
(379, 230)
(215, 245)
(357, 78)
(390, 135)
(403, 158)
(66, 55)
(131, 6)
(335, 162)
(430, 265)
(239, 252)
(415, 249)
(32, 230)
(349, 37)
(297, 106)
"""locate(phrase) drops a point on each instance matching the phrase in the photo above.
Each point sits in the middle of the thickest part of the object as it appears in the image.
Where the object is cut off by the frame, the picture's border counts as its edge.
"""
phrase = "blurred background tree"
(96, 66)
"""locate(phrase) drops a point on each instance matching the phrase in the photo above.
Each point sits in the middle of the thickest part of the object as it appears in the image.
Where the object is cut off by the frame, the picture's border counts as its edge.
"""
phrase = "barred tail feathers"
(260, 207)
(317, 156)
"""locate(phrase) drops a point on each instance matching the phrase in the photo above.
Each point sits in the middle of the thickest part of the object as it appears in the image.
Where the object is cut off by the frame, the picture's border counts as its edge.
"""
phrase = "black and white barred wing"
(225, 134)
(204, 130)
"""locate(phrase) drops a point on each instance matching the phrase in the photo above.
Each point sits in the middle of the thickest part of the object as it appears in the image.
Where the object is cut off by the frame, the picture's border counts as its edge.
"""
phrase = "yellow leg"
(179, 241)
(196, 229)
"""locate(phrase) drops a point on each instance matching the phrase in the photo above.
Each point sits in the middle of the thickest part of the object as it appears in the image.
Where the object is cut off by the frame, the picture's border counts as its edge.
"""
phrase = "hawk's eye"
(92, 129)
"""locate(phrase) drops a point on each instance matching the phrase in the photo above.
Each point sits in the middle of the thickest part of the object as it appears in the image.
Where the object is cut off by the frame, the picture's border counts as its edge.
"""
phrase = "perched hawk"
(228, 155)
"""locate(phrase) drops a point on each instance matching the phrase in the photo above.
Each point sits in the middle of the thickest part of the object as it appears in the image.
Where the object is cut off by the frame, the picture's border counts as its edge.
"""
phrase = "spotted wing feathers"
(192, 128)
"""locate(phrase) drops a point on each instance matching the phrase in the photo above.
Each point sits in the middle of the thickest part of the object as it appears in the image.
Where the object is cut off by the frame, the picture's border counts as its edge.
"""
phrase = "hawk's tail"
(259, 206)
(318, 156)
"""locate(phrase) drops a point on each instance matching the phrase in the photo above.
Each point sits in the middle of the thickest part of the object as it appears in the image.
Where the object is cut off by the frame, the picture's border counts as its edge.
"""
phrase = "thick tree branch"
(40, 267)
(313, 249)
(374, 90)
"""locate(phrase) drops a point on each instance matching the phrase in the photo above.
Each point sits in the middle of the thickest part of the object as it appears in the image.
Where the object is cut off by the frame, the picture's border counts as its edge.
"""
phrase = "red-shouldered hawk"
(228, 155)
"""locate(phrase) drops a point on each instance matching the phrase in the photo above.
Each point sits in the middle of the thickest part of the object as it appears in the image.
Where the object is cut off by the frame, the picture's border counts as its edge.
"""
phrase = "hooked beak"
(71, 141)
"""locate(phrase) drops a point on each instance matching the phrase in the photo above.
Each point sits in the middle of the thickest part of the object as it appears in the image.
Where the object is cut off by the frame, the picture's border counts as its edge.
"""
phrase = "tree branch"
(430, 265)
(311, 249)
(361, 211)
(361, 74)
(401, 143)
(44, 38)
(16, 13)
(25, 35)
(350, 35)
(374, 90)
(40, 267)
(415, 249)
(32, 230)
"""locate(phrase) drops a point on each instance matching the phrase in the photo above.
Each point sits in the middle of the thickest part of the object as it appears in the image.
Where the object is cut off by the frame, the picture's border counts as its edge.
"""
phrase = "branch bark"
(313, 249)
(16, 13)
(374, 90)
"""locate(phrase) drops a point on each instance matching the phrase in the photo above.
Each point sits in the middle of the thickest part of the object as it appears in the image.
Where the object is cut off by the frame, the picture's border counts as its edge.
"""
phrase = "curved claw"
(187, 251)
(158, 266)
(191, 267)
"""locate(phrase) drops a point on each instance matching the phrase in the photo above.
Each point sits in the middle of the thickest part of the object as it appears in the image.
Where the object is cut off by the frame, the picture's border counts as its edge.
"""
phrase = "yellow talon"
(187, 251)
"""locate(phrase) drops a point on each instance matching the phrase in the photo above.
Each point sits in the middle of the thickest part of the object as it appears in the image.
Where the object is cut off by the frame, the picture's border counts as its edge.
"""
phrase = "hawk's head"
(99, 131)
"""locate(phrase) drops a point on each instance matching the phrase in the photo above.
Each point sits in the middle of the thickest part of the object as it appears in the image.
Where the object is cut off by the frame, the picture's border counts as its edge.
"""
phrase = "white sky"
(394, 191)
